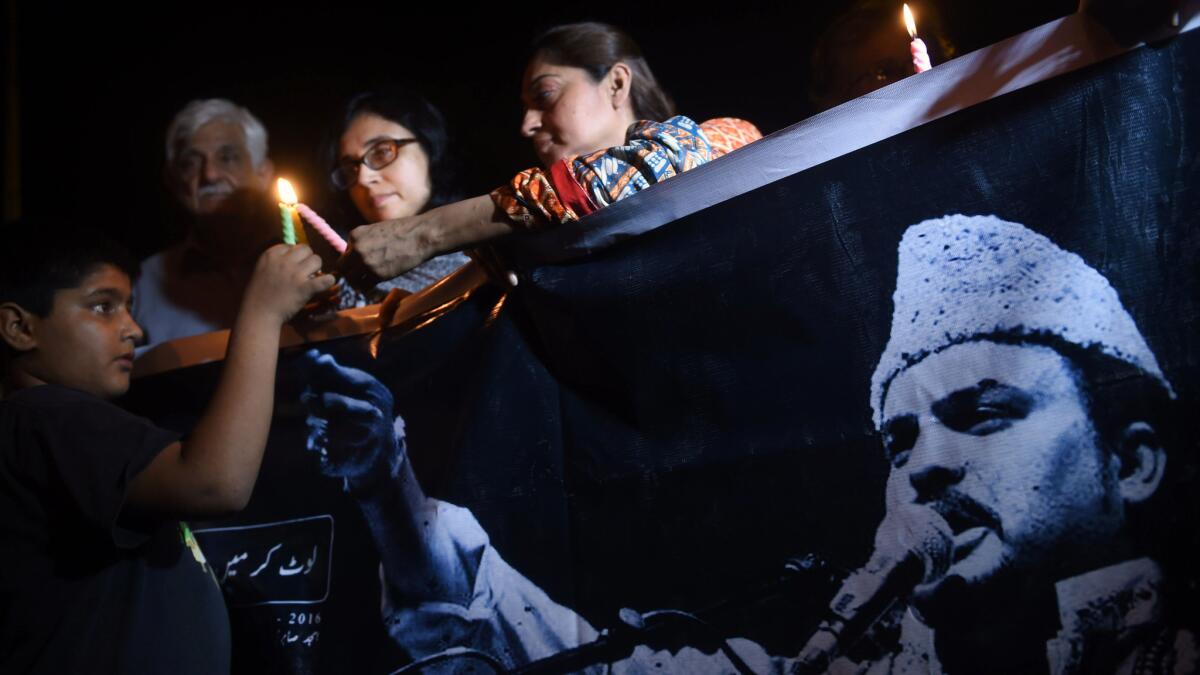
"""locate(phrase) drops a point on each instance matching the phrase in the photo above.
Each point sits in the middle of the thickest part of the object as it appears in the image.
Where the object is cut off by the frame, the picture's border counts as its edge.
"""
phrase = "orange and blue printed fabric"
(531, 201)
(653, 152)
(727, 134)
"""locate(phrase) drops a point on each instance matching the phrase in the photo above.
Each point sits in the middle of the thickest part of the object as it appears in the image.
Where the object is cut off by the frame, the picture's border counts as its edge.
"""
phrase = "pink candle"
(318, 223)
(920, 54)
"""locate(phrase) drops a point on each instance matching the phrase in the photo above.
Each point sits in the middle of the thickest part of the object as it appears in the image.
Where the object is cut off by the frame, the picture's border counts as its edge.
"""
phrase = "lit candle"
(920, 55)
(287, 210)
(318, 223)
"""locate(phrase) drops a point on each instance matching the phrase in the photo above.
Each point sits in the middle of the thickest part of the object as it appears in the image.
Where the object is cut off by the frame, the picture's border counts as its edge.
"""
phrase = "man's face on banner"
(997, 439)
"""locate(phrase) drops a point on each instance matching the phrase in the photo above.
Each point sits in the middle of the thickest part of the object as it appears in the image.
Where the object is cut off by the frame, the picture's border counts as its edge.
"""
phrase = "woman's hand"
(386, 249)
(390, 248)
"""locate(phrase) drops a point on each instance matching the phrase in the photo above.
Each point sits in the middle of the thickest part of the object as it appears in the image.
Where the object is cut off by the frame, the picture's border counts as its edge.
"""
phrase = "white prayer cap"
(963, 278)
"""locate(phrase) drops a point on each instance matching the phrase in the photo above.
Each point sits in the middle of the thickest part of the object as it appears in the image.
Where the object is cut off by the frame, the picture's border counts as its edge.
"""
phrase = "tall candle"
(287, 210)
(920, 54)
(323, 228)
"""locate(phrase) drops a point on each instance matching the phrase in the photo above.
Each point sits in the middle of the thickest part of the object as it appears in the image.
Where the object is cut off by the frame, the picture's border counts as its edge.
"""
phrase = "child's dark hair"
(41, 258)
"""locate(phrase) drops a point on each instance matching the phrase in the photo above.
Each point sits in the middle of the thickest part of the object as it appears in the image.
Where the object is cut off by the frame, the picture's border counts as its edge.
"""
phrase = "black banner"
(985, 329)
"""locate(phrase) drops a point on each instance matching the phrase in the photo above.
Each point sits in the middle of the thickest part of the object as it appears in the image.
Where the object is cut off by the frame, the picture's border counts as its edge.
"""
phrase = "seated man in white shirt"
(218, 171)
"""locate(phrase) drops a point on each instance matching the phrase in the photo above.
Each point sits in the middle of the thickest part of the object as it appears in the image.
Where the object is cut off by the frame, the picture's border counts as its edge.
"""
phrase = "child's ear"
(16, 327)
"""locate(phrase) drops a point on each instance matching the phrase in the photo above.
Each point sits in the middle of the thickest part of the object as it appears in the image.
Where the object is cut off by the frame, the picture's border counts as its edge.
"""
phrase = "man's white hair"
(202, 111)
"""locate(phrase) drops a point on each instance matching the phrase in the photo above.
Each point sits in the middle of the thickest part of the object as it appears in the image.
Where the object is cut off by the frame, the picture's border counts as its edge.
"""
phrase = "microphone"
(912, 546)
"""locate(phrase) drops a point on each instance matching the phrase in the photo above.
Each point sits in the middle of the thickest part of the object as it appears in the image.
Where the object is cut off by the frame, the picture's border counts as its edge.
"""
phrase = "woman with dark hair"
(390, 158)
(571, 62)
(603, 130)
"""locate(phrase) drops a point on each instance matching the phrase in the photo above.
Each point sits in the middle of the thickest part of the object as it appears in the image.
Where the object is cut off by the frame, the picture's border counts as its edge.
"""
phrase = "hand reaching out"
(383, 250)
(350, 424)
(386, 249)
(351, 430)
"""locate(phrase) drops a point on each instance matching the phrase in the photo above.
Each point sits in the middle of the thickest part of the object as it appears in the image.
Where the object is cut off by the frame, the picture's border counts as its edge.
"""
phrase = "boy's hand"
(285, 277)
(350, 424)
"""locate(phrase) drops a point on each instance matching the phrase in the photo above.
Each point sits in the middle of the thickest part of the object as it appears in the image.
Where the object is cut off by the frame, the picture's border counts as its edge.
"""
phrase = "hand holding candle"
(325, 306)
(920, 54)
(287, 210)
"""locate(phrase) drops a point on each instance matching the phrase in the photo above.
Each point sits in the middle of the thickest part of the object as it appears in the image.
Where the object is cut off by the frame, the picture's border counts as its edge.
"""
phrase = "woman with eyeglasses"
(390, 159)
(603, 130)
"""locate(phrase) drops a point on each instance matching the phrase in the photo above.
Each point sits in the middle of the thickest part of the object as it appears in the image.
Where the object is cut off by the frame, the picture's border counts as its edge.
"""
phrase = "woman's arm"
(392, 247)
(654, 152)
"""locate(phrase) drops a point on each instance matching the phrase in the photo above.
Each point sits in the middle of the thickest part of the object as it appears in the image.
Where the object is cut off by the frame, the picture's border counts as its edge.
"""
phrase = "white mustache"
(215, 190)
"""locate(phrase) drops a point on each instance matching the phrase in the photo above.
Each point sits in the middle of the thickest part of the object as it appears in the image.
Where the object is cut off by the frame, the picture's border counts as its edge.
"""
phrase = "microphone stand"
(634, 628)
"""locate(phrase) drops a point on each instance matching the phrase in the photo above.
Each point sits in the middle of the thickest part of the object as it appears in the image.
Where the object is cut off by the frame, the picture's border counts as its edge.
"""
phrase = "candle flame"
(909, 22)
(287, 194)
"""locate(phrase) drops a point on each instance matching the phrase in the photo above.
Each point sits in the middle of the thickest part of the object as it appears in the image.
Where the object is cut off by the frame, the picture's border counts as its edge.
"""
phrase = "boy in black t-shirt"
(96, 573)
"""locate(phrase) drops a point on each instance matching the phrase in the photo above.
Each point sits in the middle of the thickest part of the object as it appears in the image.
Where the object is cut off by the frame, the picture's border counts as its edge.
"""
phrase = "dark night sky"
(98, 84)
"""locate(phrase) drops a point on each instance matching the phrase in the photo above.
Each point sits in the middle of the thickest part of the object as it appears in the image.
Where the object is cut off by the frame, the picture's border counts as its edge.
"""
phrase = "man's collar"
(192, 259)
(1105, 614)
(1110, 599)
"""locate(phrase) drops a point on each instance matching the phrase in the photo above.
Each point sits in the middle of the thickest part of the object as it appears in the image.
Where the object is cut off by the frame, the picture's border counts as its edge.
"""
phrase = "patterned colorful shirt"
(653, 152)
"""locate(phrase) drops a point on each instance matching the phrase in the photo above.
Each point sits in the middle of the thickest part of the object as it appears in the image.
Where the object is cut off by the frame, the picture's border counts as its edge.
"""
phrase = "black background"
(602, 465)
(98, 83)
(665, 422)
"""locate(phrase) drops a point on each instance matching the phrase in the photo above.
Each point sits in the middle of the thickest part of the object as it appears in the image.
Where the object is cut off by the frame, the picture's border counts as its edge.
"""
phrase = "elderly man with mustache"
(219, 173)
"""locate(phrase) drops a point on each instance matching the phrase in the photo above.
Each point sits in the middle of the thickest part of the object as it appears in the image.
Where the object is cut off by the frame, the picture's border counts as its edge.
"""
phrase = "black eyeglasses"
(380, 154)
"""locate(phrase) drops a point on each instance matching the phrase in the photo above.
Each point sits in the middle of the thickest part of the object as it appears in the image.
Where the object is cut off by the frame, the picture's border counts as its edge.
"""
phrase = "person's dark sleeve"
(96, 449)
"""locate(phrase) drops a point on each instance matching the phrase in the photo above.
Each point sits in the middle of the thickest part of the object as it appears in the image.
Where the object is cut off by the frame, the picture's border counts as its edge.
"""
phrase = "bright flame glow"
(287, 194)
(909, 22)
